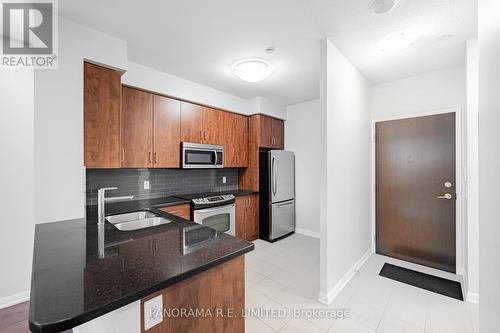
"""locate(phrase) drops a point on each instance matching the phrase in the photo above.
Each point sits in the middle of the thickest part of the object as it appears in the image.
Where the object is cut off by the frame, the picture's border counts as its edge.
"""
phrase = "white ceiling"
(198, 40)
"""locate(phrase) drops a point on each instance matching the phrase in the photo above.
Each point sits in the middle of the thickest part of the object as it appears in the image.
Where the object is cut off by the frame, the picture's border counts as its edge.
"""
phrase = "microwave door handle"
(215, 157)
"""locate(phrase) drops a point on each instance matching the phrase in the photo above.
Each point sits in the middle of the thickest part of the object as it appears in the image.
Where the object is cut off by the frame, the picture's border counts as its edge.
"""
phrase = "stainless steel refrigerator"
(277, 194)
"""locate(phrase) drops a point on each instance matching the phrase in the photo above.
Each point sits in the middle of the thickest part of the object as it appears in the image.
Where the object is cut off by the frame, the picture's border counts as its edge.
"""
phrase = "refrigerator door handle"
(273, 167)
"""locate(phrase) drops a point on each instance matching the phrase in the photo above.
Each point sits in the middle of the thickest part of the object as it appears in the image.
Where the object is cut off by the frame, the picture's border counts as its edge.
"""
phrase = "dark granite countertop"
(75, 280)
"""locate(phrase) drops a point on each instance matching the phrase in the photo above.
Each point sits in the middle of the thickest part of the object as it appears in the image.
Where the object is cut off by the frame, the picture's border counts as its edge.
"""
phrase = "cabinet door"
(266, 129)
(278, 134)
(247, 217)
(241, 217)
(213, 126)
(191, 122)
(167, 132)
(101, 109)
(137, 128)
(241, 141)
(183, 210)
(235, 140)
(252, 231)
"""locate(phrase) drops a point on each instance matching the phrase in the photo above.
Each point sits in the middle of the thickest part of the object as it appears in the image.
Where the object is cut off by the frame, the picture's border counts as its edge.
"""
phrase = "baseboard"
(472, 298)
(14, 299)
(327, 298)
(306, 232)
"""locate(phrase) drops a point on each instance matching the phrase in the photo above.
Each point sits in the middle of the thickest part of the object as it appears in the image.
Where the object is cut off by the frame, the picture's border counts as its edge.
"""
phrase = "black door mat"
(424, 281)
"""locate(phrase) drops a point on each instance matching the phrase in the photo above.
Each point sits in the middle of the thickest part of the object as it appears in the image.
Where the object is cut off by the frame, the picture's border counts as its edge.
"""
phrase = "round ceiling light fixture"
(252, 69)
(397, 41)
(383, 6)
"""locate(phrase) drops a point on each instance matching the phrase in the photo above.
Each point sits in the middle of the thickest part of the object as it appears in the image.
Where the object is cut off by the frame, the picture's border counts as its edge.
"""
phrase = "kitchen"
(234, 166)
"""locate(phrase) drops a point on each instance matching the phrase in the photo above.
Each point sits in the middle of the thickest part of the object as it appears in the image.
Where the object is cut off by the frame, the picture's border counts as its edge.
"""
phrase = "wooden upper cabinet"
(200, 124)
(271, 132)
(167, 132)
(137, 128)
(192, 122)
(278, 133)
(266, 131)
(235, 140)
(101, 109)
(213, 126)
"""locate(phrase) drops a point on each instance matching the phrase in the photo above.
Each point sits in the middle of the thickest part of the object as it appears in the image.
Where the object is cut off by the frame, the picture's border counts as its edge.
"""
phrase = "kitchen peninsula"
(83, 272)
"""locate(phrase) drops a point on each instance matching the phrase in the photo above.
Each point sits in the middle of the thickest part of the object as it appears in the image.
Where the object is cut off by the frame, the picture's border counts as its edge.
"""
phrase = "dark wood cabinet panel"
(265, 131)
(192, 122)
(278, 133)
(137, 128)
(213, 126)
(101, 109)
(249, 176)
(167, 132)
(235, 140)
(253, 217)
(247, 217)
(183, 210)
(221, 288)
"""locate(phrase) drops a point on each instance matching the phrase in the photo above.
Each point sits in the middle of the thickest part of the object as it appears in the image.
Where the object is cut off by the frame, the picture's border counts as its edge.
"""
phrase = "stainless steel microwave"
(202, 156)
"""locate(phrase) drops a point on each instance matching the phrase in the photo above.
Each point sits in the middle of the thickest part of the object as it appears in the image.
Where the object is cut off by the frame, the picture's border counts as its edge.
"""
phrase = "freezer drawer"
(282, 219)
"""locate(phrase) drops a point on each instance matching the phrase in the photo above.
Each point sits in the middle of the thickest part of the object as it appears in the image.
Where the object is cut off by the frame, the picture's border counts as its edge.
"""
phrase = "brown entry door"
(415, 190)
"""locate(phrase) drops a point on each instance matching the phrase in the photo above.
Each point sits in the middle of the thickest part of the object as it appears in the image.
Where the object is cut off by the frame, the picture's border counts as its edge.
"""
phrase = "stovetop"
(205, 200)
(202, 195)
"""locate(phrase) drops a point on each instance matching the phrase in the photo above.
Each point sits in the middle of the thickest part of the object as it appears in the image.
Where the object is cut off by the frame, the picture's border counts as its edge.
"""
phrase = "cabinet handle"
(201, 136)
(150, 157)
(123, 154)
(205, 137)
(154, 158)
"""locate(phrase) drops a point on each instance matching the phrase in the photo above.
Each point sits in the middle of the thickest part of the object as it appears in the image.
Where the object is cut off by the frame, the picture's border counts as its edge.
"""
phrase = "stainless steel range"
(215, 211)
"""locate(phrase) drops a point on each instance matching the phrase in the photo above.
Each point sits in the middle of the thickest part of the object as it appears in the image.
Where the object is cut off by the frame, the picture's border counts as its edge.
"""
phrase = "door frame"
(460, 175)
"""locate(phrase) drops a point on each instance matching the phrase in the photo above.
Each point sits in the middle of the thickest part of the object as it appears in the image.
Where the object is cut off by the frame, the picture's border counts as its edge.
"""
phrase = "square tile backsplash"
(162, 182)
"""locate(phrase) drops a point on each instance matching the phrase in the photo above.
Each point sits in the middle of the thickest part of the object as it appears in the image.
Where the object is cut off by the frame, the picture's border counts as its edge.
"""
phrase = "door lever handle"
(446, 196)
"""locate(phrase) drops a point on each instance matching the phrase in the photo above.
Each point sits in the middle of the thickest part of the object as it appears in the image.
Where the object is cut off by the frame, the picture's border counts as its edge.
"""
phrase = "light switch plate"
(153, 312)
(146, 184)
(224, 180)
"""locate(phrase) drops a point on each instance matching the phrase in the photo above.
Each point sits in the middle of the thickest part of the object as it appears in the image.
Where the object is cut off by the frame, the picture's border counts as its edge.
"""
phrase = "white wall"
(489, 164)
(266, 106)
(432, 91)
(144, 77)
(16, 191)
(59, 172)
(302, 136)
(345, 225)
(151, 79)
(472, 189)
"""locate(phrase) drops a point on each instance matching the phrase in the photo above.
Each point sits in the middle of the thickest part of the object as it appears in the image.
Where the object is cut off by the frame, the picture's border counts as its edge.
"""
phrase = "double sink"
(136, 220)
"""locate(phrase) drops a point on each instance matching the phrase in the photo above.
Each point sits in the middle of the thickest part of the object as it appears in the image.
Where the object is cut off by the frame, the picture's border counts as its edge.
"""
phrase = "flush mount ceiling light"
(383, 6)
(397, 41)
(252, 69)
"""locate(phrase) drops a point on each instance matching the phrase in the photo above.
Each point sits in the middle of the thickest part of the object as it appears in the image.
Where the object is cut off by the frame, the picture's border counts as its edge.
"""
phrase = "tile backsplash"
(162, 182)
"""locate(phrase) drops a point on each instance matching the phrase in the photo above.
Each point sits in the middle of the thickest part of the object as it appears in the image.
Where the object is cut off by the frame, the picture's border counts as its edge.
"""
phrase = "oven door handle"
(208, 210)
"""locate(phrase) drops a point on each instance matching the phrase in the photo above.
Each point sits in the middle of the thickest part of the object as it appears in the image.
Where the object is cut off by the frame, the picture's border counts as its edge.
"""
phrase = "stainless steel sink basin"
(127, 217)
(136, 220)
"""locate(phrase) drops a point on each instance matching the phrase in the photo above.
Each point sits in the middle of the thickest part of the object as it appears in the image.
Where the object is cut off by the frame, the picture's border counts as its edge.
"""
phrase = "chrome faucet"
(101, 200)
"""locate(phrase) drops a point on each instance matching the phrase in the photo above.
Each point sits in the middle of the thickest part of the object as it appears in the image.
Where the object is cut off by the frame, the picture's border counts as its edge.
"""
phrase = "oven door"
(221, 218)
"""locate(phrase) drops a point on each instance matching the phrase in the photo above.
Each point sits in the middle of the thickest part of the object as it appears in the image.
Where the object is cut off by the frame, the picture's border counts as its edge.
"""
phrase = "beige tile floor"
(285, 275)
